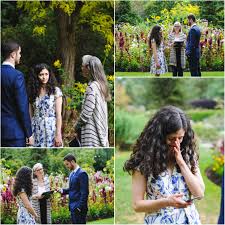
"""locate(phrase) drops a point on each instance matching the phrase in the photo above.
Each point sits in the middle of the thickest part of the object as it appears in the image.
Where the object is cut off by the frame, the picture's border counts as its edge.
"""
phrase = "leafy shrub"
(128, 126)
(199, 115)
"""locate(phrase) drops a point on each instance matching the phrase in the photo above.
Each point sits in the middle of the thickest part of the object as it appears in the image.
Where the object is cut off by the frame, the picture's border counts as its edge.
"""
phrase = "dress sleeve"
(22, 190)
(58, 92)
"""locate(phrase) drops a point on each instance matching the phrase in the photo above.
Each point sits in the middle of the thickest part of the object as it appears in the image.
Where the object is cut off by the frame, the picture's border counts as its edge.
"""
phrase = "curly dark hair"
(155, 34)
(151, 153)
(23, 180)
(34, 84)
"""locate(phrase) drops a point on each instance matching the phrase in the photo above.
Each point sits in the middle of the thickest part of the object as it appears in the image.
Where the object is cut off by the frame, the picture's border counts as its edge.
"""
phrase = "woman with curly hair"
(45, 100)
(158, 61)
(93, 119)
(164, 166)
(22, 190)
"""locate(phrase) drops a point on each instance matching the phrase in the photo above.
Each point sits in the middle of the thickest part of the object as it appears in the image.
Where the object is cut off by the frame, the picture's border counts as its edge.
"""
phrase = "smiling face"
(39, 172)
(177, 28)
(44, 76)
(173, 138)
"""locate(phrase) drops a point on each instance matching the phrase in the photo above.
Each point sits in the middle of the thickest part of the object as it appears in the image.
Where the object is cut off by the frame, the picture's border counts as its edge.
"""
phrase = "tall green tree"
(163, 92)
(213, 11)
(125, 14)
(69, 17)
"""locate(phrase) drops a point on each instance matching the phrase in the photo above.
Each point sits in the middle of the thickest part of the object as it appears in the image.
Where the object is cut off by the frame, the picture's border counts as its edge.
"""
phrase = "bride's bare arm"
(149, 206)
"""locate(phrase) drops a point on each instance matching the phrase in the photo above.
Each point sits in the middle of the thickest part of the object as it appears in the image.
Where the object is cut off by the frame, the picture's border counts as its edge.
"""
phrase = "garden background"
(134, 20)
(98, 163)
(203, 101)
(59, 33)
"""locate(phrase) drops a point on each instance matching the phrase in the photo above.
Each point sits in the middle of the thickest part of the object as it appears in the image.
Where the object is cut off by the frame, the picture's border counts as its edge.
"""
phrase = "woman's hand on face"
(177, 201)
(177, 153)
(58, 141)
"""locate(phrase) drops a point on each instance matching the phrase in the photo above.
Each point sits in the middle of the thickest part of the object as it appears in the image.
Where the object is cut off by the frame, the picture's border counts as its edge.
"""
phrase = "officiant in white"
(177, 42)
(40, 203)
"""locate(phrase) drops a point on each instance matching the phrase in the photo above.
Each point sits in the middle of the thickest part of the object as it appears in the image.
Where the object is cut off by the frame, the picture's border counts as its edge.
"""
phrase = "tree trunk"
(66, 27)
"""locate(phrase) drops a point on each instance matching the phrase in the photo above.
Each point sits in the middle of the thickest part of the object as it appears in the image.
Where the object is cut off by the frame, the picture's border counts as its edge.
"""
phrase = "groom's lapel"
(73, 174)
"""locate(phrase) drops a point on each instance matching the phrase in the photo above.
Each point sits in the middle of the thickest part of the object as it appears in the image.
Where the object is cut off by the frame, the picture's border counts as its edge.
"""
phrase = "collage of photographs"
(112, 112)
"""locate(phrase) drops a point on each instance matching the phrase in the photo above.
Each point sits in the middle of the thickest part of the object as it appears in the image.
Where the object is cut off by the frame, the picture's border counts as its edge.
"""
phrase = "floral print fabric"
(161, 59)
(163, 186)
(23, 216)
(44, 119)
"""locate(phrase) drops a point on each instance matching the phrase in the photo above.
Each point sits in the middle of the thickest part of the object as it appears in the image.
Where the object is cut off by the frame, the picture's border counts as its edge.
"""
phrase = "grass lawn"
(186, 74)
(104, 221)
(208, 208)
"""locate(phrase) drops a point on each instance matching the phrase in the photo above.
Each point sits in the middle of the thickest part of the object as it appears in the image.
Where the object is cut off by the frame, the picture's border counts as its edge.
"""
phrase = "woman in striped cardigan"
(93, 119)
(177, 41)
(41, 205)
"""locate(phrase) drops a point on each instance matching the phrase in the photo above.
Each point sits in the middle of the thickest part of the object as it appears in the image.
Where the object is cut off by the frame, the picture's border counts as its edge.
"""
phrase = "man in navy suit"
(15, 118)
(193, 47)
(78, 190)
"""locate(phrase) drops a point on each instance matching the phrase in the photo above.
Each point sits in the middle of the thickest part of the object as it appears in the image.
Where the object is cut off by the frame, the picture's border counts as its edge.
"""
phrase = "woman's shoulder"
(171, 34)
(21, 191)
(182, 34)
(58, 92)
(93, 86)
(153, 40)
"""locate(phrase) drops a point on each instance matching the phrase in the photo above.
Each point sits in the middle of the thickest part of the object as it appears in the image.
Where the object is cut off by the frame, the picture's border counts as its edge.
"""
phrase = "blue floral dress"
(44, 119)
(23, 216)
(163, 186)
(161, 59)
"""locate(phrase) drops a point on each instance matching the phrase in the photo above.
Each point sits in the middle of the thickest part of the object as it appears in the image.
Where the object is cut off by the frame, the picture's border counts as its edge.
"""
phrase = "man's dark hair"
(9, 47)
(191, 16)
(69, 157)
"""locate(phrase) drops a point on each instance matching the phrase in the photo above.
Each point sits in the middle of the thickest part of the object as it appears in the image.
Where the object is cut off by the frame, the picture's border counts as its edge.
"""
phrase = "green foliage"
(166, 92)
(124, 13)
(200, 115)
(101, 158)
(213, 11)
(91, 12)
(8, 219)
(109, 167)
(62, 216)
(129, 126)
(97, 209)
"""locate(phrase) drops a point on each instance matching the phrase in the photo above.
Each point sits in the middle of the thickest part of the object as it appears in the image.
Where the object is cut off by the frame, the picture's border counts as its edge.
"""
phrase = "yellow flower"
(110, 78)
(4, 189)
(57, 64)
(39, 30)
(82, 90)
(157, 17)
(69, 100)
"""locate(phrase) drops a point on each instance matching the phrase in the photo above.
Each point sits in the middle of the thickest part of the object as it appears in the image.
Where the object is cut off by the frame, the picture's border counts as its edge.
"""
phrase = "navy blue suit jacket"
(193, 39)
(78, 190)
(15, 118)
